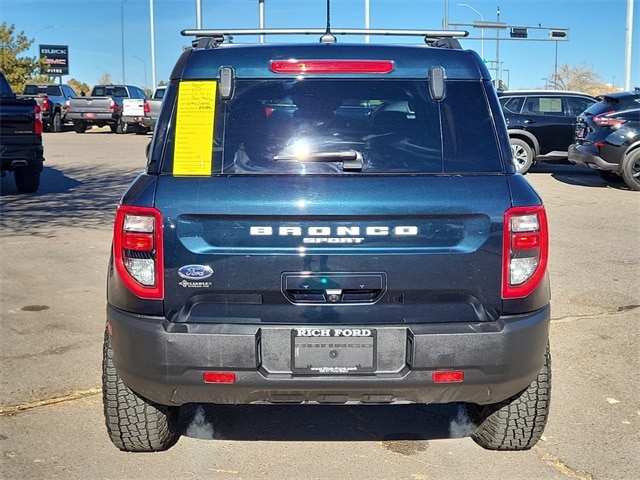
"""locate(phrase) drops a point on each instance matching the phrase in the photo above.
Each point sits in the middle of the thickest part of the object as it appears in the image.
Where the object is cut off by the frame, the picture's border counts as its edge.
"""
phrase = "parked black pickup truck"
(21, 150)
(52, 99)
(103, 107)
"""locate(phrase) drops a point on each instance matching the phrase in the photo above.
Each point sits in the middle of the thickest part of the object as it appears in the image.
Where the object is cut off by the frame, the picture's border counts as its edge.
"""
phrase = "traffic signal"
(518, 32)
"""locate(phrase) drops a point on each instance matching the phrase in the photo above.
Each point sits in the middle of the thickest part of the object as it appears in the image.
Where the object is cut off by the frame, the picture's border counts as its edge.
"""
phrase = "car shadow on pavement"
(76, 197)
(329, 422)
(575, 175)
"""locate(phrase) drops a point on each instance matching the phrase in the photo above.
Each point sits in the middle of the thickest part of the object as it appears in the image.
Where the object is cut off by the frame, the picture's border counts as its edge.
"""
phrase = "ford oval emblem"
(195, 272)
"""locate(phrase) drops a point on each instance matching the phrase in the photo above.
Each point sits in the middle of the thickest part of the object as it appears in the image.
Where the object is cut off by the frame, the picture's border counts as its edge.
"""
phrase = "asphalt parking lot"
(55, 247)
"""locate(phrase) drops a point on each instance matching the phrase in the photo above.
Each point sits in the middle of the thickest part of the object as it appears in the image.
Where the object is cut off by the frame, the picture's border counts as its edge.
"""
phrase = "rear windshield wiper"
(351, 159)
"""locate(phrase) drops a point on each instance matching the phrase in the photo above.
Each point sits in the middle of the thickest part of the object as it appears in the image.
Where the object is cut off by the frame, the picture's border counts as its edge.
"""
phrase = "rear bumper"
(93, 117)
(15, 156)
(588, 156)
(165, 362)
(143, 121)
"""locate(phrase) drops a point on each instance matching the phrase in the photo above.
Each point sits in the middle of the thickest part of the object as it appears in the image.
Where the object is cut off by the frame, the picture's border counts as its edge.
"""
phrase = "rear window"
(365, 126)
(34, 89)
(53, 90)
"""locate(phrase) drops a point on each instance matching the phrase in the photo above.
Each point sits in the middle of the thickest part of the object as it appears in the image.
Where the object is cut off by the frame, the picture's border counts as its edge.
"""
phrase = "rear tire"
(80, 126)
(631, 170)
(120, 127)
(518, 422)
(134, 423)
(522, 155)
(27, 179)
(56, 123)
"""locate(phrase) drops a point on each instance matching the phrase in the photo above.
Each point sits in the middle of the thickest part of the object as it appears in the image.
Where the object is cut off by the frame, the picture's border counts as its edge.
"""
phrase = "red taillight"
(451, 376)
(331, 66)
(603, 121)
(137, 250)
(45, 103)
(112, 105)
(37, 123)
(525, 250)
(147, 108)
(219, 377)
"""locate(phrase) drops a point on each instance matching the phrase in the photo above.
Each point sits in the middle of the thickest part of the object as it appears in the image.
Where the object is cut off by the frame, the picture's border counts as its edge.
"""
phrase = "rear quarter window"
(382, 127)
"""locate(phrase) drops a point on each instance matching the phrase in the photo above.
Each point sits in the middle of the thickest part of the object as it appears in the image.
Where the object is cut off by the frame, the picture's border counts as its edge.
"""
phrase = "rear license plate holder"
(333, 351)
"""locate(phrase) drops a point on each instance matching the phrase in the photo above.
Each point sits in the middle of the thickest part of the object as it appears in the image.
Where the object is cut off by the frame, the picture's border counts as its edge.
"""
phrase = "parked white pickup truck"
(143, 112)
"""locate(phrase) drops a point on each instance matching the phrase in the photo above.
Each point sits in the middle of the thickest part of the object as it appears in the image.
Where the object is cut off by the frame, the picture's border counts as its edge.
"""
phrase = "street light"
(153, 44)
(481, 18)
(122, 37)
(42, 30)
(145, 69)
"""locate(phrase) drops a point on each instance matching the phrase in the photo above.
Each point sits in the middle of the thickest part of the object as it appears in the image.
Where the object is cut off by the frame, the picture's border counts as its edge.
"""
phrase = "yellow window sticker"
(194, 128)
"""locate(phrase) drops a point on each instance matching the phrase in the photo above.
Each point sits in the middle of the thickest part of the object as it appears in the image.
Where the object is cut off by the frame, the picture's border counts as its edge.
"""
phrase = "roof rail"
(216, 37)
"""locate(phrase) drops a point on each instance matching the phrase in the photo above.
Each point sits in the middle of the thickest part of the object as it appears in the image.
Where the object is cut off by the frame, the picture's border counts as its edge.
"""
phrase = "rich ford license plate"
(326, 351)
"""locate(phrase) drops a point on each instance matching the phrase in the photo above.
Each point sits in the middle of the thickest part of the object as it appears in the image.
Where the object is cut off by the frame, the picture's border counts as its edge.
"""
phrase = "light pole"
(555, 70)
(498, 51)
(481, 18)
(145, 69)
(122, 37)
(367, 19)
(445, 22)
(153, 45)
(261, 18)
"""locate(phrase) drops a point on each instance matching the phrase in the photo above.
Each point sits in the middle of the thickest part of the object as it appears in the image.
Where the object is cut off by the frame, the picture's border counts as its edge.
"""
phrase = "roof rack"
(216, 37)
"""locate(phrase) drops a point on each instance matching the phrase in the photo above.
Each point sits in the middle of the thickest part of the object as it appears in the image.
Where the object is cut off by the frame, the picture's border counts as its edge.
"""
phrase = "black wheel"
(120, 127)
(56, 123)
(610, 177)
(141, 130)
(522, 155)
(518, 422)
(79, 126)
(631, 170)
(134, 423)
(27, 179)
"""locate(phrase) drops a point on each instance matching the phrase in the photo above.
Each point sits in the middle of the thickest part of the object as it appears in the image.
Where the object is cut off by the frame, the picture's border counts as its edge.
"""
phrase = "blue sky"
(93, 30)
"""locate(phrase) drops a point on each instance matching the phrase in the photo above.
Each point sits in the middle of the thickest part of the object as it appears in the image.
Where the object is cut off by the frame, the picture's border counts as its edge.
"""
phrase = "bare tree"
(579, 78)
(105, 79)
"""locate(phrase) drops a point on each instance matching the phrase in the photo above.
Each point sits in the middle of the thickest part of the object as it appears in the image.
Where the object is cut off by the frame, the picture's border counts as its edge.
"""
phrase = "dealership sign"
(57, 58)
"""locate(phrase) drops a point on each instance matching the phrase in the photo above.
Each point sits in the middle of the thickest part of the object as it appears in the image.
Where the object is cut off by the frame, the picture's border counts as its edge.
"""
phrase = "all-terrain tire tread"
(518, 422)
(134, 424)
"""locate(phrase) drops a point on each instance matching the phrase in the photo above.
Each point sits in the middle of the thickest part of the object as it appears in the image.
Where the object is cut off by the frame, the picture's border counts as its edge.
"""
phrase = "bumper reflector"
(219, 377)
(453, 376)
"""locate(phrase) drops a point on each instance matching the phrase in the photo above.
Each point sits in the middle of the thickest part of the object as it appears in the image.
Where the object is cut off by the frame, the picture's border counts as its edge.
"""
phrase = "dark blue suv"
(332, 224)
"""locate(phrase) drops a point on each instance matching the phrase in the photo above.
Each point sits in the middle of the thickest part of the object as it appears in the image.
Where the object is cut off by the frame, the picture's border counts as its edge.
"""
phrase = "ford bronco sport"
(333, 224)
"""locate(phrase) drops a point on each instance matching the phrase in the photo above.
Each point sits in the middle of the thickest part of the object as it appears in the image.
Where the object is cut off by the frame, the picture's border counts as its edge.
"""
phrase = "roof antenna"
(328, 37)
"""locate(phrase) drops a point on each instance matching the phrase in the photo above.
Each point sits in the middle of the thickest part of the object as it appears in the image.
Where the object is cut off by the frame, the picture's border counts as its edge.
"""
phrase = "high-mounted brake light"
(37, 117)
(603, 121)
(525, 250)
(137, 250)
(331, 66)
